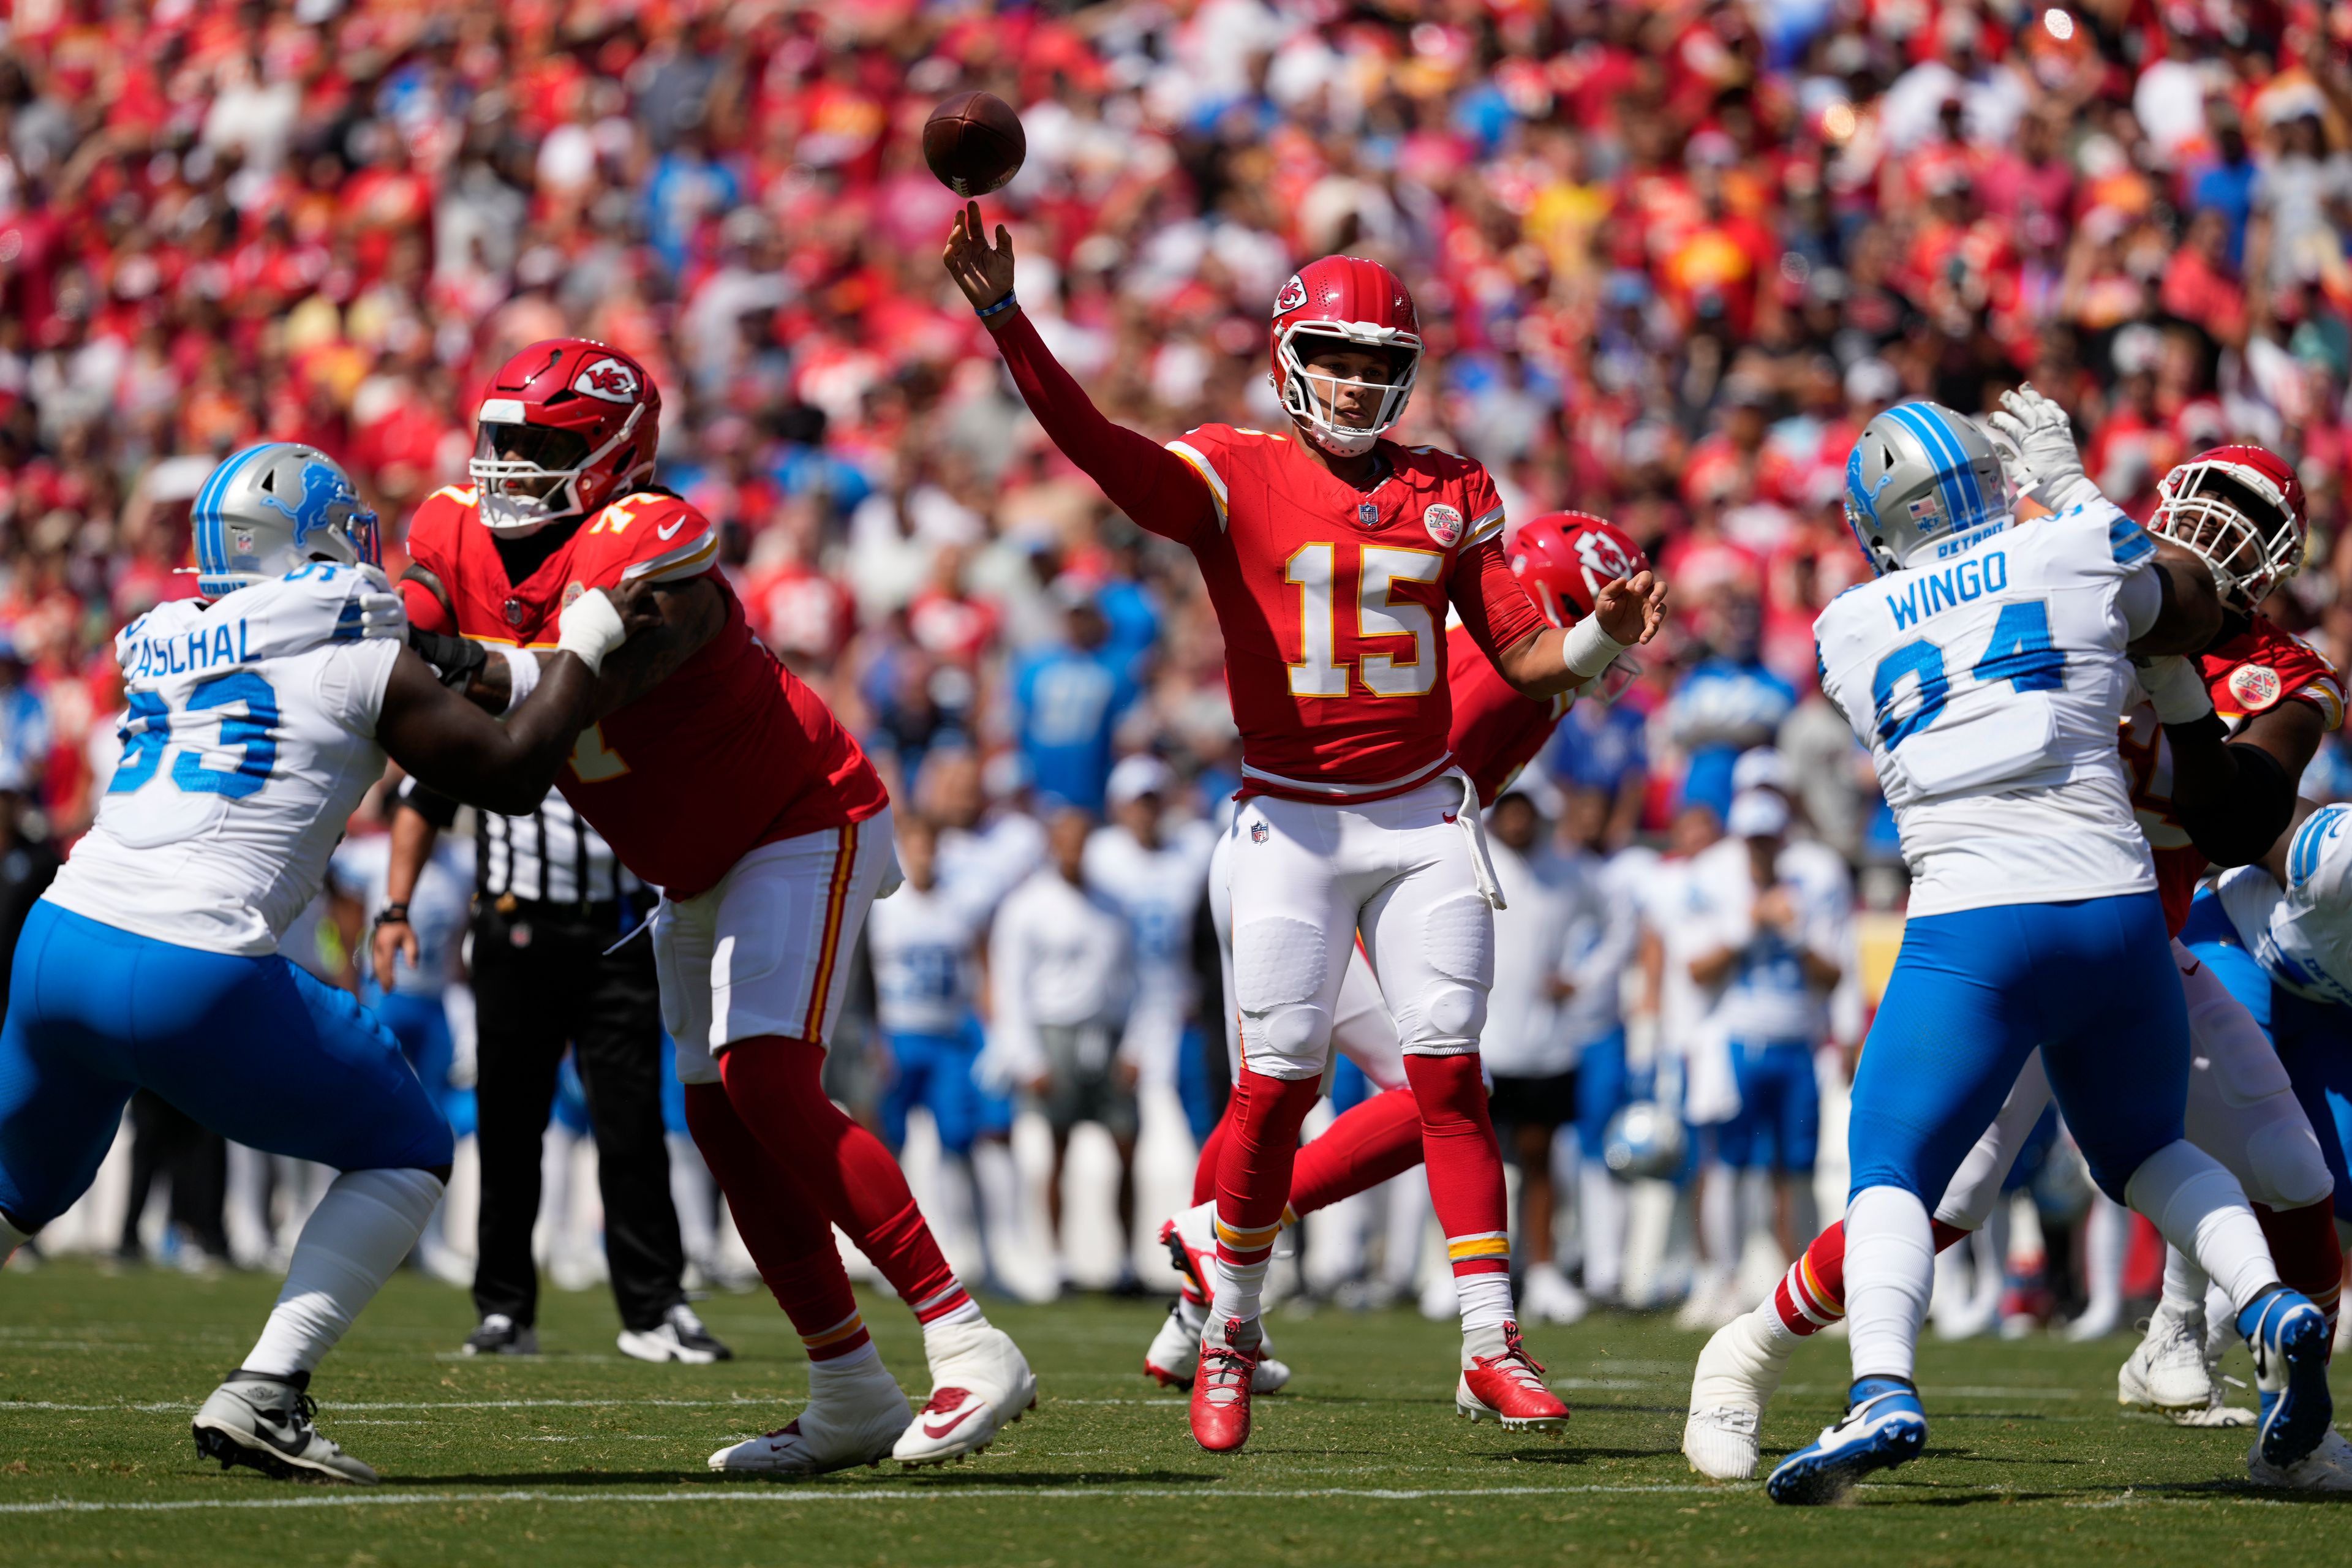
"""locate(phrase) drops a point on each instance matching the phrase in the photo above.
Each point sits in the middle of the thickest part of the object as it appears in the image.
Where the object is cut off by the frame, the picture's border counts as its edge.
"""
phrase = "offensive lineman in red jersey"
(2241, 510)
(1563, 559)
(727, 784)
(1330, 555)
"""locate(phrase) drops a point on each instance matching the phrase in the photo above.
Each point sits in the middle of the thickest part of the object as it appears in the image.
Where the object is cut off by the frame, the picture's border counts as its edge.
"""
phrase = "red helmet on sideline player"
(1565, 558)
(567, 425)
(2241, 508)
(1359, 302)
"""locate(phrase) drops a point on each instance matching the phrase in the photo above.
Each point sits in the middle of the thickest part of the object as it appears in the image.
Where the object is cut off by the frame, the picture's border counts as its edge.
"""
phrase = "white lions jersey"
(2301, 934)
(1988, 688)
(249, 738)
(924, 947)
(1158, 890)
(439, 909)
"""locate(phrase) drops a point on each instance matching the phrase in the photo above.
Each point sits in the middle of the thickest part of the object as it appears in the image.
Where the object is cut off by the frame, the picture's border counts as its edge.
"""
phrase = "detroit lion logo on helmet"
(608, 379)
(1293, 295)
(324, 490)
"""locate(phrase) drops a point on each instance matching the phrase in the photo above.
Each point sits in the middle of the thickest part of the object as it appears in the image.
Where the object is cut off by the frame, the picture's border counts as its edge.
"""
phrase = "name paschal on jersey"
(248, 740)
(1333, 600)
(731, 752)
(2251, 673)
(1988, 689)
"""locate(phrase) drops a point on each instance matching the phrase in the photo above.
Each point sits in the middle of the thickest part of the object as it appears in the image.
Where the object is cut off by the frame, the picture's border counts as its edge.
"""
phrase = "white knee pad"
(1449, 1011)
(1280, 967)
(2241, 1106)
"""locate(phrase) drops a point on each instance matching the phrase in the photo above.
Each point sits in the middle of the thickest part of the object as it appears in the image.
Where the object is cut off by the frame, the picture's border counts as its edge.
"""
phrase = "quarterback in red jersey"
(2242, 510)
(727, 783)
(1330, 554)
(1563, 559)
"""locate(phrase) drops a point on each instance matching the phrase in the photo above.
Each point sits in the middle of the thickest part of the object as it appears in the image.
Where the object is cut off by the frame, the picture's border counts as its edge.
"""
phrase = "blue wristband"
(1010, 300)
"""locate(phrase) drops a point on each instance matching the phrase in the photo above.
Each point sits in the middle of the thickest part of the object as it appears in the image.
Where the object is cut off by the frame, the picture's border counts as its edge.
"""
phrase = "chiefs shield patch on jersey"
(1445, 524)
(608, 379)
(2256, 685)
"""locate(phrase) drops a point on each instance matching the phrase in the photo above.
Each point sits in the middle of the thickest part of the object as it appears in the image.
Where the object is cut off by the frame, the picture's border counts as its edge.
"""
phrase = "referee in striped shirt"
(551, 900)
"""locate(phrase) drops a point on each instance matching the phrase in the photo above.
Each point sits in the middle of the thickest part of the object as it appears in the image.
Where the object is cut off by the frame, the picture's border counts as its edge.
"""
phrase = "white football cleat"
(2327, 1468)
(264, 1422)
(854, 1416)
(2167, 1371)
(1737, 1375)
(679, 1337)
(1175, 1351)
(981, 1384)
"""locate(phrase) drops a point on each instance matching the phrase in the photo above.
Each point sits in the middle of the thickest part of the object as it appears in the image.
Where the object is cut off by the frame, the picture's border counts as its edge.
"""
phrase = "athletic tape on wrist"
(1589, 650)
(590, 628)
(522, 674)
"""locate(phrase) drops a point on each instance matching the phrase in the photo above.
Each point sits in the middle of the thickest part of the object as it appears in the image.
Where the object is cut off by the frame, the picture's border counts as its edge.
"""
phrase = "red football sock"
(1204, 1169)
(780, 1226)
(1466, 1165)
(1812, 1295)
(773, 1084)
(1253, 1176)
(1369, 1143)
(2309, 1256)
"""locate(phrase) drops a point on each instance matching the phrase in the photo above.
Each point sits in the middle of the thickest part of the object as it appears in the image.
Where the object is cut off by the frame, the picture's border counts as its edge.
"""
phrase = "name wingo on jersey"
(2000, 673)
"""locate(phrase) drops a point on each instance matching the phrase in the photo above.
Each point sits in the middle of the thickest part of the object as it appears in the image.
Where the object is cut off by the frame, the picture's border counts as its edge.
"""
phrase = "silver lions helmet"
(1921, 478)
(269, 509)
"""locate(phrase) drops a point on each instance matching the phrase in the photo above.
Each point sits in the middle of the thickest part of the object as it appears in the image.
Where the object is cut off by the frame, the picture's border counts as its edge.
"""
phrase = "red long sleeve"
(1154, 487)
(1496, 609)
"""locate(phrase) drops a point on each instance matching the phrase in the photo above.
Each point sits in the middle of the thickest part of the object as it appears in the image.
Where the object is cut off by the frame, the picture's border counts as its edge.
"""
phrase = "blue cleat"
(1884, 1427)
(2289, 1337)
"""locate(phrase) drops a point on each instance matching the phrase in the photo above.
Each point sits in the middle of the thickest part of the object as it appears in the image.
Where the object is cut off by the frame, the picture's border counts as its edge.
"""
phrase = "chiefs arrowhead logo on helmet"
(608, 379)
(1566, 558)
(1293, 295)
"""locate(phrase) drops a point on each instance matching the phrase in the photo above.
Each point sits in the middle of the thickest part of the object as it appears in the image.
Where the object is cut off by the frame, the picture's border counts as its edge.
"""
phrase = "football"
(974, 143)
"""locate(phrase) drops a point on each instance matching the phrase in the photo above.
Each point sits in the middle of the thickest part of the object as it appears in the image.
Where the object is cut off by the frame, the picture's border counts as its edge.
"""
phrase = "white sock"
(1890, 1272)
(357, 1235)
(1239, 1286)
(996, 1181)
(1486, 1301)
(2201, 1210)
(1601, 1211)
(2185, 1285)
(11, 1239)
(2107, 1235)
(839, 1366)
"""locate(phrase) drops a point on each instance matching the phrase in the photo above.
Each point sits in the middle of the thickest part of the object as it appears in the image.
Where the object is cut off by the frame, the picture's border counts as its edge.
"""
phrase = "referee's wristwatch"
(392, 914)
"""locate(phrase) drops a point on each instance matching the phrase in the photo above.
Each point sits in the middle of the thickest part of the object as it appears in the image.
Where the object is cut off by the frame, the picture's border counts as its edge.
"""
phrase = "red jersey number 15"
(1321, 572)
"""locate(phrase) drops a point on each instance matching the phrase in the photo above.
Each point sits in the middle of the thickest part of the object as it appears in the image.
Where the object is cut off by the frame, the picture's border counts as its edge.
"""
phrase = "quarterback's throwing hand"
(983, 272)
(1632, 609)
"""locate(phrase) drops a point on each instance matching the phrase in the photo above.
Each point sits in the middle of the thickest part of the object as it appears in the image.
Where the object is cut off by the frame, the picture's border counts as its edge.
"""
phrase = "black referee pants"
(542, 982)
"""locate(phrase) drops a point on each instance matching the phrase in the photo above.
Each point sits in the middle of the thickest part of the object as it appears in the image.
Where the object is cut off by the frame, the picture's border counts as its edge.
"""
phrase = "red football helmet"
(567, 425)
(1565, 558)
(1359, 302)
(2241, 510)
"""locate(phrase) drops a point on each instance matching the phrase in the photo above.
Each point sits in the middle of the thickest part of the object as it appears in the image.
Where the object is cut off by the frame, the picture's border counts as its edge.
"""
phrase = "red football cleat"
(1509, 1387)
(1220, 1389)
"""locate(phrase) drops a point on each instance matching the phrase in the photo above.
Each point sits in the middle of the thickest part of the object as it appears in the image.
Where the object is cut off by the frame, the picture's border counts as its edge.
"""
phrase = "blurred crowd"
(1669, 257)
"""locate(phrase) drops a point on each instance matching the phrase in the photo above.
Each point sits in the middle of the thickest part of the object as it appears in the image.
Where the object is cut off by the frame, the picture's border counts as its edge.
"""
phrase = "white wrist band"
(590, 628)
(522, 674)
(2177, 687)
(1588, 649)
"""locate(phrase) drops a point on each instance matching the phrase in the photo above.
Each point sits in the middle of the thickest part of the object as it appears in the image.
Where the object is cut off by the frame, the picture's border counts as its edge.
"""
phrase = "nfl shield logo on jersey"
(2256, 685)
(1258, 833)
(608, 379)
(1445, 524)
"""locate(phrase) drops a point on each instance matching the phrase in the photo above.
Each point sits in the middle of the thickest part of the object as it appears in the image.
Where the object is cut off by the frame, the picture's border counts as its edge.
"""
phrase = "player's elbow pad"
(2239, 826)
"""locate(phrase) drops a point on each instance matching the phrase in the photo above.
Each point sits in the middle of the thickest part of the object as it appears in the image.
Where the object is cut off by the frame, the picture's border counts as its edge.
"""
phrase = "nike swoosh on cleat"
(936, 1433)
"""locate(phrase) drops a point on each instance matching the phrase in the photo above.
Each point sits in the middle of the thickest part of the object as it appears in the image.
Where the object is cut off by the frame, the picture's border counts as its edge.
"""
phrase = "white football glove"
(381, 612)
(2174, 684)
(2036, 442)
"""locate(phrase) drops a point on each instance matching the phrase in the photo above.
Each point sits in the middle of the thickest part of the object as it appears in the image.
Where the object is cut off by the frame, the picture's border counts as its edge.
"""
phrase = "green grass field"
(582, 1457)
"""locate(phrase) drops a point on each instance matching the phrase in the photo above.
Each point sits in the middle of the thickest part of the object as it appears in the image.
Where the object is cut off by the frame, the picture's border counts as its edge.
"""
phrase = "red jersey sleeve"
(1493, 603)
(2265, 666)
(431, 550)
(1159, 488)
(646, 536)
